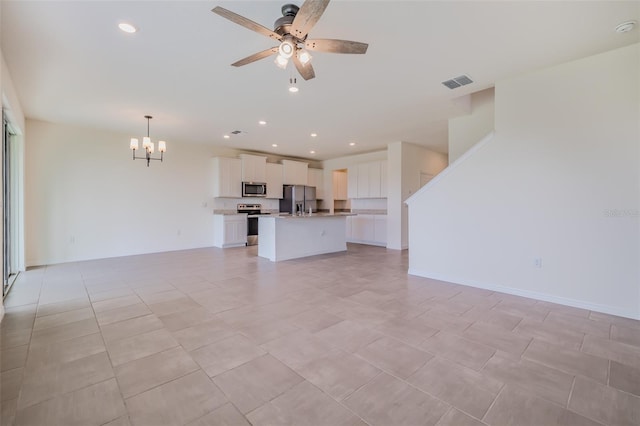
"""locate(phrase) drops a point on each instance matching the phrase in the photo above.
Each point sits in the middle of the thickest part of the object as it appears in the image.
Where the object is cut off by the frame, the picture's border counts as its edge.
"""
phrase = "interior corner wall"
(406, 162)
(9, 97)
(550, 207)
(465, 131)
(87, 199)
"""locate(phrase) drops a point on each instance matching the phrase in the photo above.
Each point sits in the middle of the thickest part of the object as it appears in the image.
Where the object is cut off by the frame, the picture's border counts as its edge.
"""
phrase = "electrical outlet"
(537, 262)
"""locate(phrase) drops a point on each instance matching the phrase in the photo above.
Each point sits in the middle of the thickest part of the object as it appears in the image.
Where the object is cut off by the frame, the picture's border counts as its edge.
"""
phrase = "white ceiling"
(71, 64)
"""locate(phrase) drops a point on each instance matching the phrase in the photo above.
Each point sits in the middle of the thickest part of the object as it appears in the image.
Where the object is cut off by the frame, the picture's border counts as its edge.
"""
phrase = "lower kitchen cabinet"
(230, 230)
(367, 229)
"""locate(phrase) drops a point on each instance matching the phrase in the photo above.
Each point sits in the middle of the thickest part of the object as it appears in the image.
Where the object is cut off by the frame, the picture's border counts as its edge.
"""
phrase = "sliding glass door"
(9, 258)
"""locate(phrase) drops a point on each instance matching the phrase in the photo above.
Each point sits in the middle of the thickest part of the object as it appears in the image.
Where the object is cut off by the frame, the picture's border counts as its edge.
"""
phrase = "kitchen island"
(284, 237)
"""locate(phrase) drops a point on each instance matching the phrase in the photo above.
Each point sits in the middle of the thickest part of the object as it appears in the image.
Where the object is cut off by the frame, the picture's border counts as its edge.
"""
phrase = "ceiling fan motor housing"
(282, 25)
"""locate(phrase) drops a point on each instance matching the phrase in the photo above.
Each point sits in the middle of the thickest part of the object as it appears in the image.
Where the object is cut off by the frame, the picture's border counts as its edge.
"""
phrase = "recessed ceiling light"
(127, 28)
(313, 135)
(226, 136)
(262, 122)
(625, 26)
(352, 143)
(312, 152)
(275, 145)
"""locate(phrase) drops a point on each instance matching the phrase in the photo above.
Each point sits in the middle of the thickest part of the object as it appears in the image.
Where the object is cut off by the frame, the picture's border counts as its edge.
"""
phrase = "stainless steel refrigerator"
(298, 198)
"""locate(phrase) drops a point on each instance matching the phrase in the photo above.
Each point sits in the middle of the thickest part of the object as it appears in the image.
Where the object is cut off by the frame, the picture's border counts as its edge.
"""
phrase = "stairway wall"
(550, 207)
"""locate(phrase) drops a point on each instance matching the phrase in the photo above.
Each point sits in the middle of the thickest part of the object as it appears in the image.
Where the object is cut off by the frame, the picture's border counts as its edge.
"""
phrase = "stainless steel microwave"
(254, 189)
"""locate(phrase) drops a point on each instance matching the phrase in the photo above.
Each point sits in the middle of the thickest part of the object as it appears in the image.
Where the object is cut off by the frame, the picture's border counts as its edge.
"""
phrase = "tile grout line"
(493, 403)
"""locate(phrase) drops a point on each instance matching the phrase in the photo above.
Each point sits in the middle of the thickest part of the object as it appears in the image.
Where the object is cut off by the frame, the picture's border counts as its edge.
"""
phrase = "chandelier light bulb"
(146, 142)
(162, 146)
(134, 144)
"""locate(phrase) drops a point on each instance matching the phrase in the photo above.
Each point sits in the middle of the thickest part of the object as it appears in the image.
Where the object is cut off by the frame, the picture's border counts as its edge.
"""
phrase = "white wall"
(9, 97)
(560, 181)
(466, 130)
(86, 198)
(406, 163)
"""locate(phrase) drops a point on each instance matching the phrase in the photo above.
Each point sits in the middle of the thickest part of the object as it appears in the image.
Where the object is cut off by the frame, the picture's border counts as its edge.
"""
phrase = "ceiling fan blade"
(247, 23)
(307, 16)
(305, 70)
(336, 46)
(255, 57)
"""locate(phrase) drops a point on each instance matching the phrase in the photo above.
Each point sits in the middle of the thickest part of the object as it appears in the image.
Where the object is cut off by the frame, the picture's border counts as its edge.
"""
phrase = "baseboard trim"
(605, 309)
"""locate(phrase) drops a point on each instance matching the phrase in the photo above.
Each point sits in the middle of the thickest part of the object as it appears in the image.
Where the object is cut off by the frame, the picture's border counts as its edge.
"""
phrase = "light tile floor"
(210, 336)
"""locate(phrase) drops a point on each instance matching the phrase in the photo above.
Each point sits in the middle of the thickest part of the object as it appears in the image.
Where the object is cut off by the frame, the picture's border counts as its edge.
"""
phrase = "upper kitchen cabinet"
(227, 177)
(368, 180)
(339, 185)
(294, 172)
(383, 179)
(352, 182)
(254, 168)
(274, 180)
(315, 177)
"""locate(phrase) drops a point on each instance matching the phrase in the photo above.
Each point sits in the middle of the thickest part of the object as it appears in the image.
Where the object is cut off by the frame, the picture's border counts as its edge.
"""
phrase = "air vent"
(457, 82)
(236, 132)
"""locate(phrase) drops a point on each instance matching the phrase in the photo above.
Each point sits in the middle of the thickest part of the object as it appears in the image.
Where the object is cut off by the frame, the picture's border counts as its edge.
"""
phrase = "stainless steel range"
(253, 211)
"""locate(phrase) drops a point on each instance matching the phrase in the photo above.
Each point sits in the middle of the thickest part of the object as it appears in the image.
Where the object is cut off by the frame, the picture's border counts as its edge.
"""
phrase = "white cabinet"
(352, 182)
(367, 229)
(374, 179)
(364, 184)
(368, 180)
(380, 229)
(294, 172)
(229, 230)
(339, 185)
(227, 177)
(253, 168)
(383, 179)
(362, 228)
(274, 180)
(315, 177)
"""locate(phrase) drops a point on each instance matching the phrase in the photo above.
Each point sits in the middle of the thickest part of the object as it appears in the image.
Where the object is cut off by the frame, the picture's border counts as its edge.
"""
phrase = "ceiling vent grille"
(463, 80)
(236, 132)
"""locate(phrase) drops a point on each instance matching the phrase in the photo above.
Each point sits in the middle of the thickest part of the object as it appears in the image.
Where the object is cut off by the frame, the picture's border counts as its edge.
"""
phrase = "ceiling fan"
(291, 30)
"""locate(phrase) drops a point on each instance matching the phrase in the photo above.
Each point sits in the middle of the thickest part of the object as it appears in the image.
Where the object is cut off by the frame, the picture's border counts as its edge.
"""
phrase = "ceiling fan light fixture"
(281, 61)
(286, 49)
(304, 56)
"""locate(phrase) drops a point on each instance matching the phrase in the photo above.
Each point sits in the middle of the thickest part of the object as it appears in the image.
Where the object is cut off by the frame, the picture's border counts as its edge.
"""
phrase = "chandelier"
(148, 146)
